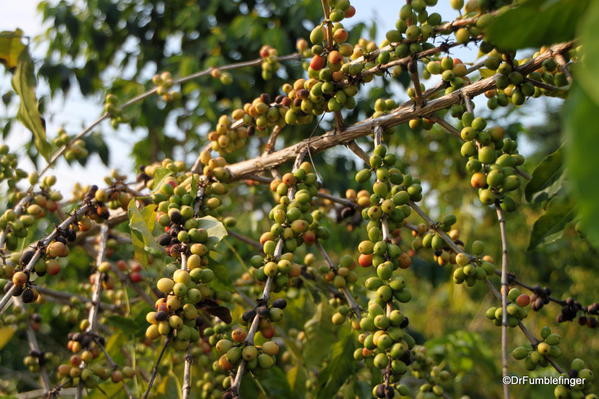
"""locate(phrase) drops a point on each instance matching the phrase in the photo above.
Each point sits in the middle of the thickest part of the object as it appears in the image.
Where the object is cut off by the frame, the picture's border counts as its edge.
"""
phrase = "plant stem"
(504, 291)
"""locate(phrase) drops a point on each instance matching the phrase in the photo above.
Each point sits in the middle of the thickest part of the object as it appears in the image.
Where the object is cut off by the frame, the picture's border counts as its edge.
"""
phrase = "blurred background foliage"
(100, 46)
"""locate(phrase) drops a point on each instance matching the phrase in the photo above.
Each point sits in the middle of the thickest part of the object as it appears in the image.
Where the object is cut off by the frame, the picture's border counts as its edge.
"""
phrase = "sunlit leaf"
(28, 114)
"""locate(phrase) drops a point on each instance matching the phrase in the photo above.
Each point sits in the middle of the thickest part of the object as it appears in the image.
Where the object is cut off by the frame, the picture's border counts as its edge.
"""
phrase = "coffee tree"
(267, 268)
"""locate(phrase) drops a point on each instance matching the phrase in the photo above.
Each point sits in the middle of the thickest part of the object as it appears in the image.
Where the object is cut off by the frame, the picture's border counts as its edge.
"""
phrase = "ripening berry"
(523, 300)
(165, 285)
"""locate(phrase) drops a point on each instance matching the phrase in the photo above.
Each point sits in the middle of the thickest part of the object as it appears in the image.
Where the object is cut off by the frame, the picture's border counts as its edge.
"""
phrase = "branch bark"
(402, 114)
(504, 291)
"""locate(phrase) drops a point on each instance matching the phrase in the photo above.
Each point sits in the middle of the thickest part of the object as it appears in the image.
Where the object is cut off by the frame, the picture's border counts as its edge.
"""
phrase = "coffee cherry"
(19, 279)
(165, 285)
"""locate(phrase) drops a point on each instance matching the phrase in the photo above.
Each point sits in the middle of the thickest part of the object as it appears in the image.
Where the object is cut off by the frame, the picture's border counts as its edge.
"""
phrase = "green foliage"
(11, 47)
(582, 162)
(536, 23)
(141, 222)
(559, 211)
(24, 84)
(545, 174)
(589, 67)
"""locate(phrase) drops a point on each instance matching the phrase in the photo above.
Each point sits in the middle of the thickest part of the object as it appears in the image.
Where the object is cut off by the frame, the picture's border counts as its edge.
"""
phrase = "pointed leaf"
(28, 114)
(6, 334)
(582, 162)
(536, 23)
(588, 68)
(545, 174)
(215, 229)
(340, 367)
(548, 228)
(11, 46)
(142, 223)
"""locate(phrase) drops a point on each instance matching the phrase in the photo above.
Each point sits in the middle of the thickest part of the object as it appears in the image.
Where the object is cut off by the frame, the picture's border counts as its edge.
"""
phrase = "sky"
(75, 111)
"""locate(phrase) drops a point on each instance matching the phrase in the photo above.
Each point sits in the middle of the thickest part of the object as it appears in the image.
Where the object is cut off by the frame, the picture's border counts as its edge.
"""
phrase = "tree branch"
(504, 291)
(402, 114)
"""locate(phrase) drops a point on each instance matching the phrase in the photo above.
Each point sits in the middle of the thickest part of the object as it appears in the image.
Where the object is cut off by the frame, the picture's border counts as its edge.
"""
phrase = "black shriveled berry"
(279, 303)
(28, 295)
(161, 316)
(26, 257)
(164, 239)
(249, 316)
(263, 311)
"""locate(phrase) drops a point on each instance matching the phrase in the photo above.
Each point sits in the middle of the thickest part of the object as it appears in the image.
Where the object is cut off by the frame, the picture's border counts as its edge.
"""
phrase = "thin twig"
(245, 239)
(265, 293)
(41, 244)
(504, 291)
(346, 292)
(34, 347)
(155, 368)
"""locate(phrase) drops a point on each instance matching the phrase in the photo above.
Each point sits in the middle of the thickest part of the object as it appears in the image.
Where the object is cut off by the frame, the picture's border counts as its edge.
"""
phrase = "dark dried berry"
(18, 290)
(279, 303)
(249, 316)
(164, 239)
(161, 316)
(263, 311)
(404, 323)
(380, 391)
(28, 295)
(26, 257)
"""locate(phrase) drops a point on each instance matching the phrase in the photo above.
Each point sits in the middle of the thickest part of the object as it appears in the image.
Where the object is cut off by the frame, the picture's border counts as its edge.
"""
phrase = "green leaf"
(6, 334)
(11, 46)
(159, 175)
(588, 68)
(548, 228)
(28, 114)
(546, 173)
(582, 162)
(340, 367)
(142, 223)
(274, 382)
(129, 326)
(320, 333)
(215, 229)
(536, 23)
(296, 378)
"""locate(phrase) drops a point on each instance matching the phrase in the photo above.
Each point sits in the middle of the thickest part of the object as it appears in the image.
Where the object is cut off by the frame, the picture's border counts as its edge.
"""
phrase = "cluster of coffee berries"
(16, 223)
(549, 73)
(516, 309)
(452, 71)
(471, 270)
(164, 86)
(270, 63)
(435, 376)
(225, 77)
(581, 390)
(492, 161)
(383, 106)
(572, 308)
(9, 171)
(235, 348)
(391, 193)
(82, 369)
(385, 341)
(537, 356)
(36, 359)
(112, 109)
(230, 136)
(76, 148)
(177, 312)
